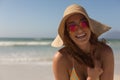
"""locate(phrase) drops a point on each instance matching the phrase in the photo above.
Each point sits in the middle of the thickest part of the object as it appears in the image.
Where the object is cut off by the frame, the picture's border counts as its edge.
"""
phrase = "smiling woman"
(83, 56)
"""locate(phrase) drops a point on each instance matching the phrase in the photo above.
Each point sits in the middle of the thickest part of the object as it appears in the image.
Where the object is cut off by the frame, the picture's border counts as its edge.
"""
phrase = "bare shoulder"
(61, 65)
(107, 50)
(107, 58)
(60, 56)
(61, 59)
(107, 54)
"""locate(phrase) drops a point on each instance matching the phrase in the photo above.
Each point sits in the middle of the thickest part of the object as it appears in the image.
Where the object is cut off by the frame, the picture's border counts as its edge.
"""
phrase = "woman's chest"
(78, 72)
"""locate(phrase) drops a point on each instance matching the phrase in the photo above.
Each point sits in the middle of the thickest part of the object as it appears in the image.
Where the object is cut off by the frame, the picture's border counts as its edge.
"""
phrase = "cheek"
(71, 34)
(89, 34)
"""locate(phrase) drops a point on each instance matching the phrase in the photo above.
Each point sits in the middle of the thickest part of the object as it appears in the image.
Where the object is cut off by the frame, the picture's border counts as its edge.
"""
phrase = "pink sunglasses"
(73, 26)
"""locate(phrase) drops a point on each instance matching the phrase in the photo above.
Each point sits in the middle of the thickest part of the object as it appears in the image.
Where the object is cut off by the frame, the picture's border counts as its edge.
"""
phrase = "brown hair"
(79, 54)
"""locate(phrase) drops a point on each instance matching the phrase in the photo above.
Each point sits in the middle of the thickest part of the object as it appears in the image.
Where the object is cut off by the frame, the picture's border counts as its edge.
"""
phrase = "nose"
(79, 29)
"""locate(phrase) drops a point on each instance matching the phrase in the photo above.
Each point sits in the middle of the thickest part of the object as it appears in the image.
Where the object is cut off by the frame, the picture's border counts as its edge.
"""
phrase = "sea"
(39, 50)
(26, 50)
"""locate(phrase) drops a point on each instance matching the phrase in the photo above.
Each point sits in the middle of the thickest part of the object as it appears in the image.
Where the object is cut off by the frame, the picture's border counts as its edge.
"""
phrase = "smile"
(81, 36)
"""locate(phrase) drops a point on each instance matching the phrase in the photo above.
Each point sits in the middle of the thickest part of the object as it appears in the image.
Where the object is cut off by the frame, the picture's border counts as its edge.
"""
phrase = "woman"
(82, 56)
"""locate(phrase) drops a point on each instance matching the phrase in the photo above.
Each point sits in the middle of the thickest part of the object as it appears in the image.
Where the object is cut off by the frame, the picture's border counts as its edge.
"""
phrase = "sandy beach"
(26, 71)
(30, 71)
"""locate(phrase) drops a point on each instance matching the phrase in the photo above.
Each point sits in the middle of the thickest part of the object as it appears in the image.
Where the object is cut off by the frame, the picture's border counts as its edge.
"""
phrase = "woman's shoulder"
(61, 54)
(61, 65)
(106, 52)
(61, 57)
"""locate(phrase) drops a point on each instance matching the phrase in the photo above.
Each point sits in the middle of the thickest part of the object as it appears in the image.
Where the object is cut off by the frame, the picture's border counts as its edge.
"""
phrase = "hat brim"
(57, 42)
(96, 27)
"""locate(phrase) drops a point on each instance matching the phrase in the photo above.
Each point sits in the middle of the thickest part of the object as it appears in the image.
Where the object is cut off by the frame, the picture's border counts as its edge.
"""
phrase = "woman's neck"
(86, 47)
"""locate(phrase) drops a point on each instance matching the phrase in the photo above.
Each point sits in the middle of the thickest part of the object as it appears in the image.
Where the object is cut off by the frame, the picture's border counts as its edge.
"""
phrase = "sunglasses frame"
(72, 27)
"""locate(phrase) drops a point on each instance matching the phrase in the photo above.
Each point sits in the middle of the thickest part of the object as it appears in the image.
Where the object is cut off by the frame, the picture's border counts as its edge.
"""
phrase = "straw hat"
(95, 26)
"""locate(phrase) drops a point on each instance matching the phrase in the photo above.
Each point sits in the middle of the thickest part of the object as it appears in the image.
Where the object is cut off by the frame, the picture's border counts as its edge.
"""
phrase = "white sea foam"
(23, 43)
(19, 60)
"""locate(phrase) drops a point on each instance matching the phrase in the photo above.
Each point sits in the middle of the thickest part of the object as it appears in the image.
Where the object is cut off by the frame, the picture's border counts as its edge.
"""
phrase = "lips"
(81, 36)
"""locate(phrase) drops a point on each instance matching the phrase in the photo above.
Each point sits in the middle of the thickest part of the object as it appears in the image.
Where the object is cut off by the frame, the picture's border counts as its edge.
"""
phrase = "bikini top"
(73, 74)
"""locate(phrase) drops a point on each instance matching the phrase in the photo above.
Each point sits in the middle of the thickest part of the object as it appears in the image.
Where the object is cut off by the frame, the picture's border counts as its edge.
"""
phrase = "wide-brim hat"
(96, 27)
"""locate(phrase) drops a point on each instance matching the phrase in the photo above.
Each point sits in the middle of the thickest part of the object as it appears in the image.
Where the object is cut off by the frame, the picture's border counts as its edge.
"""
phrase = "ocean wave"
(23, 43)
(24, 60)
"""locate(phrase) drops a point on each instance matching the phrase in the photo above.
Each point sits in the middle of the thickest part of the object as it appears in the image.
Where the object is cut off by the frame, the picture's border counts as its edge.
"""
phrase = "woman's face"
(78, 28)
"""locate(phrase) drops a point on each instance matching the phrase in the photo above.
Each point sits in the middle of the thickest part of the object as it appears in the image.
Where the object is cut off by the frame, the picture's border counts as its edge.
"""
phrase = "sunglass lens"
(84, 24)
(72, 28)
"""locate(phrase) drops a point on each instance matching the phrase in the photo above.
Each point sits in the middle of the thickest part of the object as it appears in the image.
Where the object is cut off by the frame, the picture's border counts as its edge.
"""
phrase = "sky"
(40, 18)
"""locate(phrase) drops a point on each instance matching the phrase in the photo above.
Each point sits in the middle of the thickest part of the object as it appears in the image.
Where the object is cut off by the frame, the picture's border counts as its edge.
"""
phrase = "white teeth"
(80, 35)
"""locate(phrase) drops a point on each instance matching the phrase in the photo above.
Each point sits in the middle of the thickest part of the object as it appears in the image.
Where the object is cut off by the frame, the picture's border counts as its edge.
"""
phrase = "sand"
(26, 71)
(30, 71)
